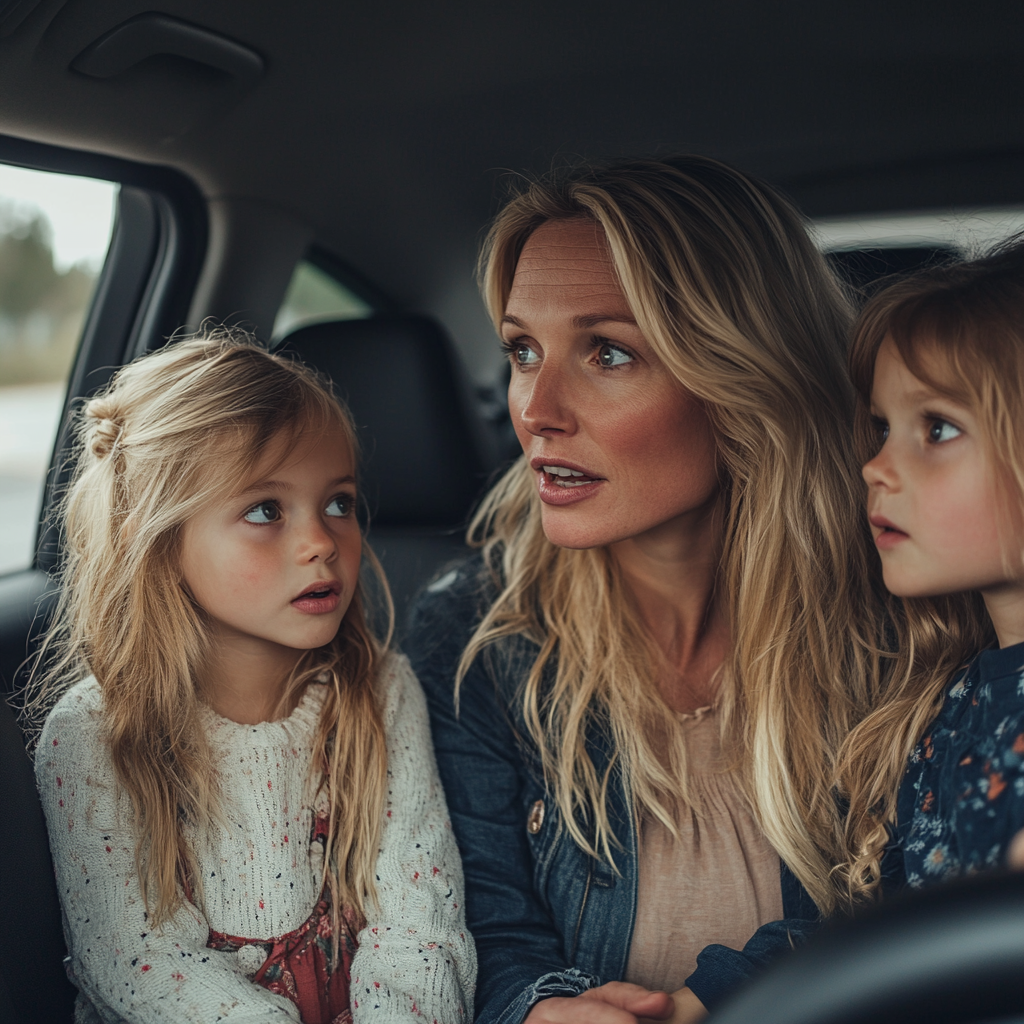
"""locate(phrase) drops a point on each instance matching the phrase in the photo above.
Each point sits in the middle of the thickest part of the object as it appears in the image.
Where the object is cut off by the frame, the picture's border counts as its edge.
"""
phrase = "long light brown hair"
(728, 289)
(173, 431)
(960, 329)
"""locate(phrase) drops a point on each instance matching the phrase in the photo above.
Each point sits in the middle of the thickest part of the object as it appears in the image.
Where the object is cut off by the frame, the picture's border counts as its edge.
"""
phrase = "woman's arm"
(416, 960)
(721, 970)
(128, 970)
(521, 953)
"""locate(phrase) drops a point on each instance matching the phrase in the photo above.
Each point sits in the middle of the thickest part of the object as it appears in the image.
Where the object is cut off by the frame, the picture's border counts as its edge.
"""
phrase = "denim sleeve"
(721, 970)
(520, 952)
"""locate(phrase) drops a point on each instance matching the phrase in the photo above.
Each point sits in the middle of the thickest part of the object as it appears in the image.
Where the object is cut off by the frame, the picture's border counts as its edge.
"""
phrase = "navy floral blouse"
(962, 799)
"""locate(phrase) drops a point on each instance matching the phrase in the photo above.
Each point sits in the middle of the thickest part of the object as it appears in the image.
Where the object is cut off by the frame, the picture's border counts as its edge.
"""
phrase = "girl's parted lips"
(881, 523)
(321, 588)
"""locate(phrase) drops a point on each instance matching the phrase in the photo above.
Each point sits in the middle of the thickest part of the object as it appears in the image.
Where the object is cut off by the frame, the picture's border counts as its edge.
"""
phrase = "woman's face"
(618, 446)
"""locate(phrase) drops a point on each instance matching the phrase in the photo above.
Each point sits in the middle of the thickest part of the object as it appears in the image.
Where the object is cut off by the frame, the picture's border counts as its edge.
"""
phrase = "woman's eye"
(264, 512)
(609, 355)
(942, 430)
(881, 429)
(340, 506)
(522, 355)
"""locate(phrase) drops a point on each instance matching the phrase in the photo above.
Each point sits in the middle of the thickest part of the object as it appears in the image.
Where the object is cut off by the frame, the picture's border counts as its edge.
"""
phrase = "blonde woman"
(243, 807)
(638, 689)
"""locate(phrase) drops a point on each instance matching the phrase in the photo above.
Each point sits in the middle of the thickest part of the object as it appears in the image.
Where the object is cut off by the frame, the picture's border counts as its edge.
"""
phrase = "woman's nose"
(548, 406)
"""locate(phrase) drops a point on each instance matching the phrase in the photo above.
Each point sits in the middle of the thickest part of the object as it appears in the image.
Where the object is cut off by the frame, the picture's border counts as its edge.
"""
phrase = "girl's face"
(617, 444)
(275, 566)
(932, 500)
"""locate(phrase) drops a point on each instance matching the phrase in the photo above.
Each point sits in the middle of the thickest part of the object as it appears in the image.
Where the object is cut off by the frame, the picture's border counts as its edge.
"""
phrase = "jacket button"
(535, 818)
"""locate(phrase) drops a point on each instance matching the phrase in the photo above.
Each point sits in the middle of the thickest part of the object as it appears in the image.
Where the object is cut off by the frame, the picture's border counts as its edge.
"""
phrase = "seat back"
(426, 454)
(33, 985)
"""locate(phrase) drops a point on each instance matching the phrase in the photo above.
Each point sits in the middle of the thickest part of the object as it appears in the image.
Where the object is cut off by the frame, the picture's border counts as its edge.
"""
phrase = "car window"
(868, 247)
(314, 295)
(965, 230)
(54, 234)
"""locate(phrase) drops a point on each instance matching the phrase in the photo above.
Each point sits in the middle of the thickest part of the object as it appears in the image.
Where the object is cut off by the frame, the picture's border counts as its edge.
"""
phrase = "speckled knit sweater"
(261, 874)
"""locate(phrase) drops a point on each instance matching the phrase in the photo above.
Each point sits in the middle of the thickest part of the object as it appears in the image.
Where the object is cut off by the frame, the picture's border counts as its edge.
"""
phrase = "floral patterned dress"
(962, 799)
(311, 966)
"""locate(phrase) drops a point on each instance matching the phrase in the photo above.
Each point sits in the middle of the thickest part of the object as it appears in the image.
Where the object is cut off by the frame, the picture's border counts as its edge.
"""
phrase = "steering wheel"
(951, 955)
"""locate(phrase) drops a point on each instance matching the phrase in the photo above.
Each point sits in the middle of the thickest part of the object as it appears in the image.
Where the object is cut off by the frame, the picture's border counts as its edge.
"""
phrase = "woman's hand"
(615, 1003)
(687, 1008)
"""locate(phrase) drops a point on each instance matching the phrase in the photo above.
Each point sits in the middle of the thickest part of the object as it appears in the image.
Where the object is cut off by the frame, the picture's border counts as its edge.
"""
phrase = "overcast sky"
(79, 209)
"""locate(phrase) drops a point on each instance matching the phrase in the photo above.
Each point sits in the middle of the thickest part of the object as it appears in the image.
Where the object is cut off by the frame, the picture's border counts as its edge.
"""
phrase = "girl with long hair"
(938, 362)
(639, 687)
(242, 802)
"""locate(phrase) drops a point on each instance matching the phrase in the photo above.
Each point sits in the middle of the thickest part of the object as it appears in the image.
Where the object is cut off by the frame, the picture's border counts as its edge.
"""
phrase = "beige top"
(717, 883)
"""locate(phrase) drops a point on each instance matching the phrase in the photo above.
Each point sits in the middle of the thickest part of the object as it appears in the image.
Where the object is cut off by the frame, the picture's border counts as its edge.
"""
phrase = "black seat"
(426, 453)
(33, 986)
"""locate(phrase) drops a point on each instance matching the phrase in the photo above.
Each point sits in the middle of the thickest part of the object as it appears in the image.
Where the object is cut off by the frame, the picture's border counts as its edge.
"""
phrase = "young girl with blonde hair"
(241, 796)
(938, 361)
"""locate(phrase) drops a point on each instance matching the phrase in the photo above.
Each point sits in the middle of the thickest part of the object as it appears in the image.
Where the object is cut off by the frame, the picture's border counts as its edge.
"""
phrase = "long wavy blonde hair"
(173, 431)
(960, 329)
(729, 290)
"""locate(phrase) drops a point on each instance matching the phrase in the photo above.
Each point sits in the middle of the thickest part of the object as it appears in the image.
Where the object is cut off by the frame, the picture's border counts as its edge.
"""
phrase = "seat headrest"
(419, 438)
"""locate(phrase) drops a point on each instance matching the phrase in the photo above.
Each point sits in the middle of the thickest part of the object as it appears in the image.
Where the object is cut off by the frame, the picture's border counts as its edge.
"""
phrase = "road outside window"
(54, 234)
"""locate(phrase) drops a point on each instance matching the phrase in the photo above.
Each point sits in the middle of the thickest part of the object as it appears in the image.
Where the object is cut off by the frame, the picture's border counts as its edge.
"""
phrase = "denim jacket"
(548, 919)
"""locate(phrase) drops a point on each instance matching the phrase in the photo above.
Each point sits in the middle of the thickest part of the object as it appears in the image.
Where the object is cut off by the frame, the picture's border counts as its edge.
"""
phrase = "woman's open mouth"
(318, 598)
(563, 476)
(561, 483)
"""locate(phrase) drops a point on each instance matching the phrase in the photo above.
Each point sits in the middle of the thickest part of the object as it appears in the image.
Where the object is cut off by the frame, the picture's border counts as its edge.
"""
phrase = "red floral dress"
(301, 965)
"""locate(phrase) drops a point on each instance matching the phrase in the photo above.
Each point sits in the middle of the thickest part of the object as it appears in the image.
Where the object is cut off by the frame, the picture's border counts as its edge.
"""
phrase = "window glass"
(965, 230)
(315, 295)
(54, 234)
(870, 246)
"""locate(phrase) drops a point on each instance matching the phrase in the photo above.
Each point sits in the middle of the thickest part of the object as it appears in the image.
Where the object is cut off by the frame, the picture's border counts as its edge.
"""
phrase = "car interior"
(265, 152)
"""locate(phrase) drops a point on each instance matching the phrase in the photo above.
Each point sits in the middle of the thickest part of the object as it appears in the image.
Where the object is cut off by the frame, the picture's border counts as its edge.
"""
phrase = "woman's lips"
(563, 483)
(318, 598)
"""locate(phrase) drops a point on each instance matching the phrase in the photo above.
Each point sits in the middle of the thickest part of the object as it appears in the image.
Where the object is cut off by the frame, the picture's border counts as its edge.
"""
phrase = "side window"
(314, 295)
(54, 234)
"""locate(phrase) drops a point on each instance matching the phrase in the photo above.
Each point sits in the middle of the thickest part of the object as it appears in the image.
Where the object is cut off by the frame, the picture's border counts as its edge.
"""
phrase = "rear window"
(314, 295)
(871, 246)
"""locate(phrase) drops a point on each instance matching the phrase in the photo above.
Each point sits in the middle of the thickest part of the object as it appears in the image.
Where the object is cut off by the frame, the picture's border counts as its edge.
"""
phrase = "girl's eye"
(881, 429)
(942, 430)
(340, 506)
(264, 512)
(609, 355)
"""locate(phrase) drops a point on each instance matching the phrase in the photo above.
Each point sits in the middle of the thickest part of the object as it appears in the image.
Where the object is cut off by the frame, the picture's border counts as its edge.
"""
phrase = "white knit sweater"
(261, 874)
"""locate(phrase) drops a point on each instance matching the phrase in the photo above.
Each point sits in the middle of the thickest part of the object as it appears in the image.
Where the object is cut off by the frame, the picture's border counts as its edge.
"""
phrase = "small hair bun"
(105, 430)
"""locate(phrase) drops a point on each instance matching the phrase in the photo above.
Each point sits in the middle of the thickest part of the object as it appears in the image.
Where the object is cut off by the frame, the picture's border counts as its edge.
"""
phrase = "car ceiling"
(389, 127)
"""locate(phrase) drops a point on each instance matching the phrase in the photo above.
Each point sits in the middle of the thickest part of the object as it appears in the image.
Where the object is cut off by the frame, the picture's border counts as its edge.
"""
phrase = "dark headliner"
(387, 125)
